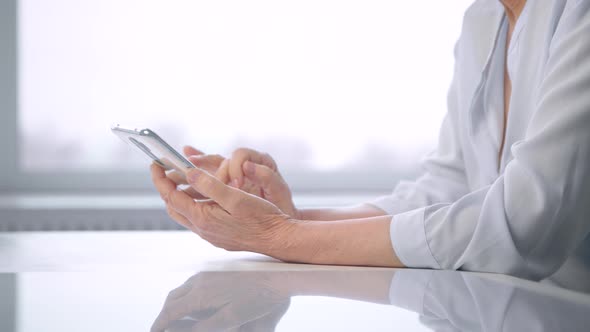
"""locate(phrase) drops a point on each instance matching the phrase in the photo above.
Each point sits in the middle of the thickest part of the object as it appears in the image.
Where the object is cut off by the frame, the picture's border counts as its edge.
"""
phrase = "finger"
(180, 179)
(158, 175)
(210, 162)
(179, 218)
(193, 193)
(261, 176)
(242, 155)
(179, 291)
(191, 151)
(178, 200)
(220, 170)
(177, 177)
(208, 185)
(223, 172)
(183, 203)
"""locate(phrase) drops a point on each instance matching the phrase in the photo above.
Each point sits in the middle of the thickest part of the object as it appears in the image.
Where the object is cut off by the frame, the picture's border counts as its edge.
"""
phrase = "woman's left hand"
(232, 219)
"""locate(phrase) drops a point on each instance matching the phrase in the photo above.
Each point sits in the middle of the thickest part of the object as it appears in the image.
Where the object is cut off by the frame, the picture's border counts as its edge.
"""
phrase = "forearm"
(362, 242)
(341, 213)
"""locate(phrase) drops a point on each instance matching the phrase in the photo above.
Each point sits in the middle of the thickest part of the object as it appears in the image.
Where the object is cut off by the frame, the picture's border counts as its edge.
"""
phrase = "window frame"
(8, 92)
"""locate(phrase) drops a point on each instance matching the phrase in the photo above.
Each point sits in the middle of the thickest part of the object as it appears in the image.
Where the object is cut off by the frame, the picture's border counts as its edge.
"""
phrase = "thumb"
(209, 186)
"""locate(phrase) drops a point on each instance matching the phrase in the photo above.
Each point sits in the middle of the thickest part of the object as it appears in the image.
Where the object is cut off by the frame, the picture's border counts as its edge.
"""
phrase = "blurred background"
(347, 96)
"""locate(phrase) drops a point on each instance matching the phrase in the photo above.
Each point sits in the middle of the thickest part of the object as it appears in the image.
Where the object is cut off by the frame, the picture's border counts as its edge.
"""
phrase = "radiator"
(19, 220)
(21, 213)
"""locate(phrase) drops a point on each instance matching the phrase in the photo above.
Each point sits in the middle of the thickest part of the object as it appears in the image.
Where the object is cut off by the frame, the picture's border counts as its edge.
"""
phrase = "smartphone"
(154, 147)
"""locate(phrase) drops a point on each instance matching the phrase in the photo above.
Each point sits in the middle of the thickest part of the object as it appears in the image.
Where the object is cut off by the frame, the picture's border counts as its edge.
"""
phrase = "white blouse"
(527, 214)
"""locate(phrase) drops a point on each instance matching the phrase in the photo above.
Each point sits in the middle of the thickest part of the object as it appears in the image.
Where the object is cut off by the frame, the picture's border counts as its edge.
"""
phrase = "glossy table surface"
(173, 281)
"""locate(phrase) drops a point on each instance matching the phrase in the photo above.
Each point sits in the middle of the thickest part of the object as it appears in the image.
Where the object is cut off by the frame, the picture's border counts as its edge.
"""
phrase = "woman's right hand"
(213, 163)
(249, 170)
(249, 167)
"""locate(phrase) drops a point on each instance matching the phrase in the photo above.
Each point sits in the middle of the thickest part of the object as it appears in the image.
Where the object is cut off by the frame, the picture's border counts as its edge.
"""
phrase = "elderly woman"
(507, 190)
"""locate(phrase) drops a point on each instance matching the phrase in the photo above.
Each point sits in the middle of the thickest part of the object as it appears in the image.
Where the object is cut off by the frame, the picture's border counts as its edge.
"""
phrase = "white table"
(120, 281)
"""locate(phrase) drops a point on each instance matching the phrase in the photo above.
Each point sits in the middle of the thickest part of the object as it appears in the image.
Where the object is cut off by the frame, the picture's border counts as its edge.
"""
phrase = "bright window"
(322, 85)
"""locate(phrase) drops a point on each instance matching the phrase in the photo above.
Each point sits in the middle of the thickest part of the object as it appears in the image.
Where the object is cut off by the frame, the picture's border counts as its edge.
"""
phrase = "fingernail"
(250, 169)
(193, 175)
(235, 183)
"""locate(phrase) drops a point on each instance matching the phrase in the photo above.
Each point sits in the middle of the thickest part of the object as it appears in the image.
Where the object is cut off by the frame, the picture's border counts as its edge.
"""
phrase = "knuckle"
(205, 227)
(240, 150)
(171, 200)
(206, 223)
(236, 154)
(267, 160)
(200, 216)
(195, 217)
(165, 197)
(241, 153)
(169, 211)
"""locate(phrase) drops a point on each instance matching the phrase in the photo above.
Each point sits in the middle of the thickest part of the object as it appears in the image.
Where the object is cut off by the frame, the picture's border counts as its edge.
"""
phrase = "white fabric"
(455, 301)
(531, 214)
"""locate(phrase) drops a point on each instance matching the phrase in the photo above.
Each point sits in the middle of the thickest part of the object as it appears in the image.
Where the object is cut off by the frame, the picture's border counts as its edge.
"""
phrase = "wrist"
(291, 242)
(292, 210)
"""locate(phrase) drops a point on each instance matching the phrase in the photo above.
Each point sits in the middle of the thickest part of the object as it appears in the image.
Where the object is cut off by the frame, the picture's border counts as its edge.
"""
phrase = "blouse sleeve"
(534, 216)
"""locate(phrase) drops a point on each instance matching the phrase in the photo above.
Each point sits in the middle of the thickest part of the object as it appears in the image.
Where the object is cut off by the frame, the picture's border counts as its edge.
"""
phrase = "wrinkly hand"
(232, 219)
(222, 301)
(252, 171)
(212, 163)
(250, 166)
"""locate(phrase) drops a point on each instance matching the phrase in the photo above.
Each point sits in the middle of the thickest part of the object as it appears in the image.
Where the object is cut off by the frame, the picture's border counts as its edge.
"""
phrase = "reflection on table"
(445, 300)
